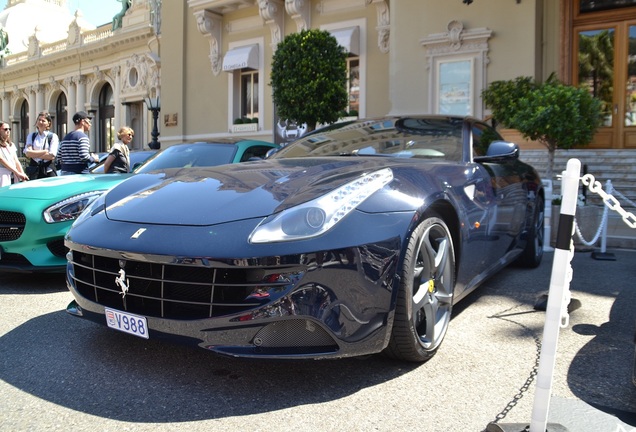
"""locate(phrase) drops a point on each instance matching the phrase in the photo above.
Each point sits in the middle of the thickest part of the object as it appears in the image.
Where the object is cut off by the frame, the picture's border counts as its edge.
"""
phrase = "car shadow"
(39, 283)
(85, 367)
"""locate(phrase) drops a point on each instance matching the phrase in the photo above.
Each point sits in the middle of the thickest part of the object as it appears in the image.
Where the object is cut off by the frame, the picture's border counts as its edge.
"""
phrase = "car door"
(510, 197)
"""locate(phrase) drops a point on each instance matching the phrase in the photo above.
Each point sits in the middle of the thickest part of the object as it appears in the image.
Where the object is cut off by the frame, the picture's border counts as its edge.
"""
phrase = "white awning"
(240, 58)
(349, 38)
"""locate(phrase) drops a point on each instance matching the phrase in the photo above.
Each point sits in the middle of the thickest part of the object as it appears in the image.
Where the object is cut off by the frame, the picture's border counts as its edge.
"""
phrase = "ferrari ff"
(35, 215)
(354, 240)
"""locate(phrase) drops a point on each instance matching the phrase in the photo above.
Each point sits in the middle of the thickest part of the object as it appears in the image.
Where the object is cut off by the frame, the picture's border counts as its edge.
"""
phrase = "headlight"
(70, 208)
(317, 216)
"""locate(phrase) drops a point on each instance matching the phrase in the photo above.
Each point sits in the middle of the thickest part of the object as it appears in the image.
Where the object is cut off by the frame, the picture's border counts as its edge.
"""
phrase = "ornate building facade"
(72, 66)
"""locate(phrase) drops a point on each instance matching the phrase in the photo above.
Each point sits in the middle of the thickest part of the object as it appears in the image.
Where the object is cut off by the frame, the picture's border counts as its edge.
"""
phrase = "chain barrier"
(535, 368)
(610, 203)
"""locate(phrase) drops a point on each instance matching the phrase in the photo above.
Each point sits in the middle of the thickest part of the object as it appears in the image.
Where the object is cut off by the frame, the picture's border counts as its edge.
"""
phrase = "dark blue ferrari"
(353, 240)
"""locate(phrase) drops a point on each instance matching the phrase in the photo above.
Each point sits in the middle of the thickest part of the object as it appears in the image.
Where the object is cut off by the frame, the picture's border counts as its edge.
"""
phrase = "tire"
(533, 252)
(425, 297)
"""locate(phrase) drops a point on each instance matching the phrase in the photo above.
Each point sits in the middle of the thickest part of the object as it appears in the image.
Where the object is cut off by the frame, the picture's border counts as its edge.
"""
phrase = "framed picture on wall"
(455, 87)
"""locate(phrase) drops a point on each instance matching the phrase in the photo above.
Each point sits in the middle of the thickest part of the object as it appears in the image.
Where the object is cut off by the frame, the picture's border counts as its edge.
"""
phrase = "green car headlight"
(70, 208)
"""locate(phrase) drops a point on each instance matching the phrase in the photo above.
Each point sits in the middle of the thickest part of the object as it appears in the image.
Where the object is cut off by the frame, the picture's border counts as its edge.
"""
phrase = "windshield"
(426, 138)
(190, 155)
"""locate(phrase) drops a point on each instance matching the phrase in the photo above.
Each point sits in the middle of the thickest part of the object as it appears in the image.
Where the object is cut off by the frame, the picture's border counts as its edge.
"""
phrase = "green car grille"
(11, 225)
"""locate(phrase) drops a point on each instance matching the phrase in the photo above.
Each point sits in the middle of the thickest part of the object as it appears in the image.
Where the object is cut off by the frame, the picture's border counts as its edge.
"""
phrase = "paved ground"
(58, 372)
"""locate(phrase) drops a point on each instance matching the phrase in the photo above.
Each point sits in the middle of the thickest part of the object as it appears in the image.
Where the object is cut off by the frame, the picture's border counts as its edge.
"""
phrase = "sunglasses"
(6, 129)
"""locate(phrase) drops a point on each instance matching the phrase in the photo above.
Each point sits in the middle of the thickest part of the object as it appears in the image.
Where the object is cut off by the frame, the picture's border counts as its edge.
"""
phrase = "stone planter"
(588, 218)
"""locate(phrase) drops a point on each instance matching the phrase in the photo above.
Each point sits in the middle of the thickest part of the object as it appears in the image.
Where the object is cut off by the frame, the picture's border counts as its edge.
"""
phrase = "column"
(119, 120)
(39, 100)
(32, 109)
(6, 106)
(81, 93)
(71, 101)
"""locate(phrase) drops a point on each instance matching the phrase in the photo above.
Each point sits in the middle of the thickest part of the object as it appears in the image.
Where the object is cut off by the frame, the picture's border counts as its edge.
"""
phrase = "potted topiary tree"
(555, 114)
(309, 78)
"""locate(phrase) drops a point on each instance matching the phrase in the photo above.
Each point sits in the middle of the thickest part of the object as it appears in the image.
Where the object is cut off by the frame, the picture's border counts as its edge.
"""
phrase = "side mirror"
(271, 152)
(499, 151)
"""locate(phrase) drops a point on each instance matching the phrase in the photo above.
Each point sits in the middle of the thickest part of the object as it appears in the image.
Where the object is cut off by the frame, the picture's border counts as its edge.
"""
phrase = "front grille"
(14, 260)
(11, 225)
(183, 292)
(57, 248)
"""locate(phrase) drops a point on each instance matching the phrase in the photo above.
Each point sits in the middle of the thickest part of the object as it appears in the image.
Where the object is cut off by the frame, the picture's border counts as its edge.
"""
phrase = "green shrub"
(552, 113)
(309, 78)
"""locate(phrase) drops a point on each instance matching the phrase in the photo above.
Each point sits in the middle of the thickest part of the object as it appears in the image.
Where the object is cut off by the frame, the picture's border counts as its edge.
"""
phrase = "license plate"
(127, 323)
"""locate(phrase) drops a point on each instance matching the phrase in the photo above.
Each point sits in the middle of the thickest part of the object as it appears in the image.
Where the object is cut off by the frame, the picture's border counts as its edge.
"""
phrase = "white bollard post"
(558, 296)
(547, 213)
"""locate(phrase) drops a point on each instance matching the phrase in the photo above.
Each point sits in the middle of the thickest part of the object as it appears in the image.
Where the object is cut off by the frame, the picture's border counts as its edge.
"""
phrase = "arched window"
(25, 125)
(106, 133)
(61, 116)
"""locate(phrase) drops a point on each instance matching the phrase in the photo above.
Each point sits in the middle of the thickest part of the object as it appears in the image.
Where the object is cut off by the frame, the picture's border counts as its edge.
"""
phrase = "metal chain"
(533, 373)
(609, 200)
(599, 231)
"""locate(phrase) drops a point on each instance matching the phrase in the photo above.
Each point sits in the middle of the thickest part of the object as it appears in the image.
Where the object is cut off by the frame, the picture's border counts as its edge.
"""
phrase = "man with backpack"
(41, 147)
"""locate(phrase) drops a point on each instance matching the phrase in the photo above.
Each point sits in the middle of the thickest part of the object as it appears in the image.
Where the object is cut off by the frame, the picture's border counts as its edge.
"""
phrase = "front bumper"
(328, 304)
(31, 245)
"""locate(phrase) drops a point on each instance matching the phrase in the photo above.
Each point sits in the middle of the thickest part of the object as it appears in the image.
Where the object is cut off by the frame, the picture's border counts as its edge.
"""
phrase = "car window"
(191, 155)
(256, 151)
(136, 157)
(407, 138)
(482, 136)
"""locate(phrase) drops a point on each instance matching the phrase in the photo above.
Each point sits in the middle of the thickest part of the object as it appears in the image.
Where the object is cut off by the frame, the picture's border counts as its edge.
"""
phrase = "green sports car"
(35, 215)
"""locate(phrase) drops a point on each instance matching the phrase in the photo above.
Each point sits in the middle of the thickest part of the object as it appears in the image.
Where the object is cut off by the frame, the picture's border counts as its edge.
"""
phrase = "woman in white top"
(9, 163)
(41, 146)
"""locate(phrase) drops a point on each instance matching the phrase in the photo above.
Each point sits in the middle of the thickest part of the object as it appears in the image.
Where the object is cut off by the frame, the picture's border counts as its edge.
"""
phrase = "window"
(61, 116)
(24, 122)
(106, 132)
(457, 69)
(351, 35)
(249, 94)
(353, 85)
(455, 87)
(244, 65)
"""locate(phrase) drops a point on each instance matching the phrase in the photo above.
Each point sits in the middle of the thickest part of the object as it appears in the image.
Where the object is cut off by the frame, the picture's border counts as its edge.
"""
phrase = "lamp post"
(153, 105)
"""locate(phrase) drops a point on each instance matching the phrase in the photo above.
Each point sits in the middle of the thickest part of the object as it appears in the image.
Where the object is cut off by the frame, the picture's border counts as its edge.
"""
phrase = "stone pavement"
(600, 373)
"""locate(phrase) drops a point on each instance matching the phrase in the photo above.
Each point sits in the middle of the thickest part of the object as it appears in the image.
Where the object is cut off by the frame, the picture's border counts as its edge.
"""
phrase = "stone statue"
(117, 19)
(4, 40)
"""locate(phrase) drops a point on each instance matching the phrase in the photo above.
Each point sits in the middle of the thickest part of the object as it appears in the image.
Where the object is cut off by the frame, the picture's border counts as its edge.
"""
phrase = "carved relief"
(299, 10)
(384, 24)
(74, 31)
(209, 25)
(272, 13)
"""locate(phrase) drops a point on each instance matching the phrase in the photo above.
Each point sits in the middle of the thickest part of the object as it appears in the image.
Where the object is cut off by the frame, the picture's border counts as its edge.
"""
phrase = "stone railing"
(87, 37)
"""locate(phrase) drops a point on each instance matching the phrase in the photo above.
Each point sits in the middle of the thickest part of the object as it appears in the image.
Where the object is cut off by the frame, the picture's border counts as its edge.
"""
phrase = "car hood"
(207, 196)
(54, 189)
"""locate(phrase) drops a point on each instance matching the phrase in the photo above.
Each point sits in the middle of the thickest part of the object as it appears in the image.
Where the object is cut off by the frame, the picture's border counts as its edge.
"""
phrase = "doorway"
(604, 60)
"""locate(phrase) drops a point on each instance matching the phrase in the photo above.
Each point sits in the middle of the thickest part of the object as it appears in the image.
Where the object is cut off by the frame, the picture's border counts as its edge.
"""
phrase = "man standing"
(75, 147)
